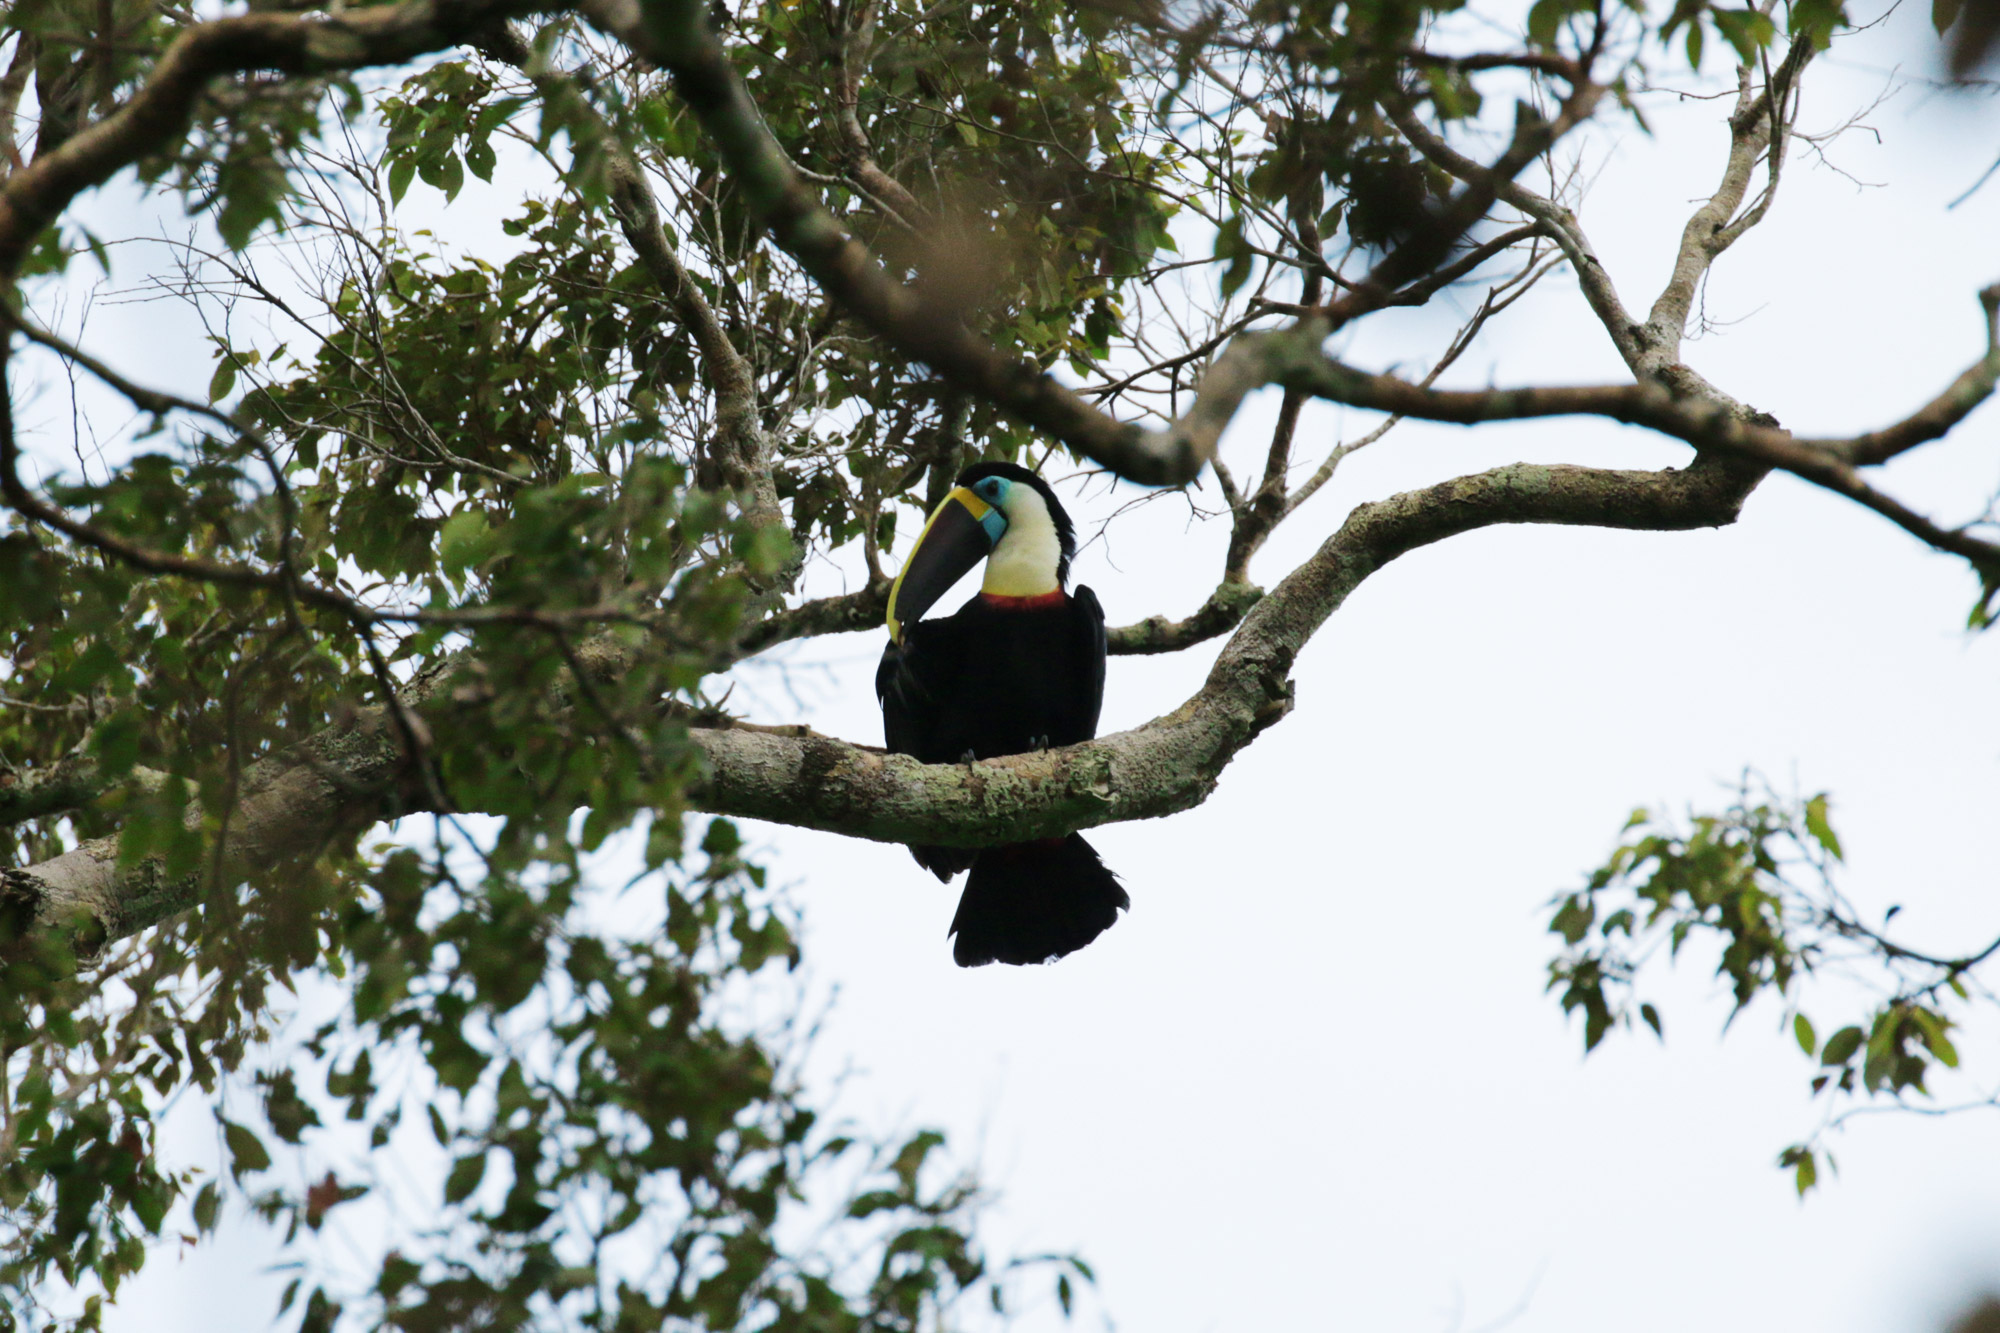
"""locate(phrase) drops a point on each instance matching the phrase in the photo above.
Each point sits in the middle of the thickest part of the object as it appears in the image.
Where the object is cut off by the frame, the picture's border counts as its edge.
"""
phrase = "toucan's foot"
(967, 757)
(1040, 743)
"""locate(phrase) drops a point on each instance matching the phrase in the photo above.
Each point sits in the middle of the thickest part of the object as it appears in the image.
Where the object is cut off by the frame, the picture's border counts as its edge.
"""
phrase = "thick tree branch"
(159, 112)
(1709, 423)
(72, 782)
(329, 788)
(674, 35)
(860, 610)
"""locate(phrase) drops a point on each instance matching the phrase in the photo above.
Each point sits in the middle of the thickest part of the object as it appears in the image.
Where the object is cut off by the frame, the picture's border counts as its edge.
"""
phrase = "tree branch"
(738, 457)
(857, 43)
(72, 782)
(1557, 222)
(158, 113)
(1708, 423)
(673, 34)
(1221, 613)
(860, 610)
(1937, 417)
(336, 784)
(1756, 127)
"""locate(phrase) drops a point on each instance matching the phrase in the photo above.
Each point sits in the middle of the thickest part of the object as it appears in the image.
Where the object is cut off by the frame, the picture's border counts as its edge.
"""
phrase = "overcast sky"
(1312, 1079)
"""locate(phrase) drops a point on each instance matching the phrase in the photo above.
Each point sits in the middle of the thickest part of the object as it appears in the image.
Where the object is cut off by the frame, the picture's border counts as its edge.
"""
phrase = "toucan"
(1020, 667)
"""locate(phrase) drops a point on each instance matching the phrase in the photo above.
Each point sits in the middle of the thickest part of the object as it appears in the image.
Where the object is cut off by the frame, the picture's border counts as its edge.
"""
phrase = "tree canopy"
(471, 525)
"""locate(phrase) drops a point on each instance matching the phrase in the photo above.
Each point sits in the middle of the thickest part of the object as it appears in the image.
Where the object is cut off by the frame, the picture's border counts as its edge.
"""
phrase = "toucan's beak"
(959, 535)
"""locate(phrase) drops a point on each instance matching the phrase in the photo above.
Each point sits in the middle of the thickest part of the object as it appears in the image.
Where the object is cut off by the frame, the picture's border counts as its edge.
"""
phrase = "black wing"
(914, 680)
(1088, 645)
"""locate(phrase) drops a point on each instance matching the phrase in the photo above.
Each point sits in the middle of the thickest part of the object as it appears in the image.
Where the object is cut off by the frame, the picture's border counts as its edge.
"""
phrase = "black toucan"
(1020, 667)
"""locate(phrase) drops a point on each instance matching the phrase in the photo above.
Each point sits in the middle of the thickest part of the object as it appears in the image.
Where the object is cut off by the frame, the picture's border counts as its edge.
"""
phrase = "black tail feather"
(1033, 902)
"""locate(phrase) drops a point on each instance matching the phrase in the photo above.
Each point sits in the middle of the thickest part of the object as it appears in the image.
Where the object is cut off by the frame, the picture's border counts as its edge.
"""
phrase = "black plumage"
(1006, 675)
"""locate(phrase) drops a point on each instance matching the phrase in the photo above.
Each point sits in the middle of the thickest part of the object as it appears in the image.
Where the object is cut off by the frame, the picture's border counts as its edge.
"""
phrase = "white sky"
(1312, 1080)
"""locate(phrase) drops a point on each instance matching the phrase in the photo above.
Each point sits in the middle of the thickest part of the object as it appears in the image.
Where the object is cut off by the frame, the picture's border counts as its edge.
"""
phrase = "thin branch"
(1557, 222)
(1756, 129)
(1221, 613)
(845, 613)
(1484, 184)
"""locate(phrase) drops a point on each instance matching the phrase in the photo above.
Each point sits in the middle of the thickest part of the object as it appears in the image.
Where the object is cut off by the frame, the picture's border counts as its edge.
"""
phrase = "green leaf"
(1932, 1026)
(1652, 1017)
(98, 250)
(911, 1159)
(207, 1207)
(400, 172)
(1746, 30)
(1573, 919)
(1805, 1168)
(1545, 21)
(1815, 20)
(1802, 1028)
(116, 742)
(464, 540)
(874, 1201)
(1841, 1046)
(224, 379)
(1820, 828)
(289, 1113)
(247, 1153)
(479, 159)
(1230, 246)
(464, 1177)
(321, 1313)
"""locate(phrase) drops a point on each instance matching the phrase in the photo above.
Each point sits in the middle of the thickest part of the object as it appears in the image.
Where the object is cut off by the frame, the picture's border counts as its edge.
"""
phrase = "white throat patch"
(1025, 560)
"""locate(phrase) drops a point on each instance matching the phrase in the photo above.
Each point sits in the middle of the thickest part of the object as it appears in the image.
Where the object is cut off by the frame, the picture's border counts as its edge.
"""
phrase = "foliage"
(1758, 882)
(471, 528)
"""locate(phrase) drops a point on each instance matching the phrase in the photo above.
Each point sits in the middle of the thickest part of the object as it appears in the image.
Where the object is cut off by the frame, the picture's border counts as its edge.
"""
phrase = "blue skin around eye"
(993, 490)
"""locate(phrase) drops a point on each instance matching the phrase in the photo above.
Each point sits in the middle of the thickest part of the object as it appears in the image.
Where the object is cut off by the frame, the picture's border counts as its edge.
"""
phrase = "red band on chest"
(1040, 599)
